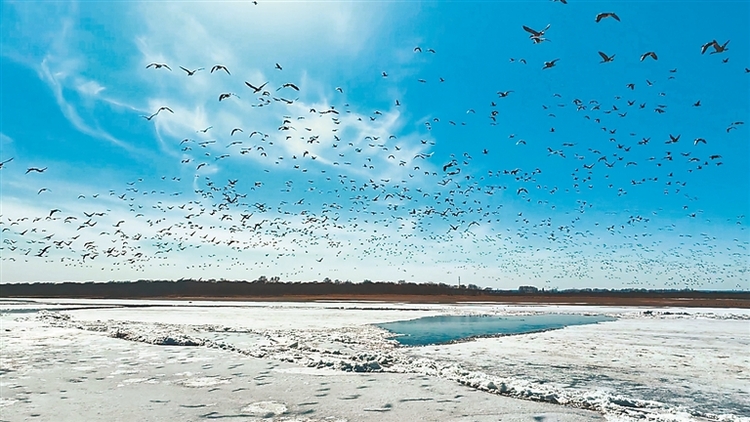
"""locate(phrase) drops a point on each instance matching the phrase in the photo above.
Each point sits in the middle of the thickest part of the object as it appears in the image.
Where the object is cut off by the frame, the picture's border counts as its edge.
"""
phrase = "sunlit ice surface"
(659, 364)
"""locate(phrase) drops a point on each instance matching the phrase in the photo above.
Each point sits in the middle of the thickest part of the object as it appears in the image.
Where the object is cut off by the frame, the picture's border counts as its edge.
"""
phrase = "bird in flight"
(226, 95)
(278, 66)
(550, 64)
(5, 162)
(288, 85)
(606, 58)
(649, 54)
(191, 72)
(158, 66)
(157, 112)
(707, 45)
(220, 67)
(256, 89)
(36, 169)
(536, 36)
(601, 16)
(719, 48)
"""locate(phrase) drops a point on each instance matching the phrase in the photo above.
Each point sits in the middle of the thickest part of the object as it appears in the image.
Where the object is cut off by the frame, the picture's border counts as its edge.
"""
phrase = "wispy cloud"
(55, 82)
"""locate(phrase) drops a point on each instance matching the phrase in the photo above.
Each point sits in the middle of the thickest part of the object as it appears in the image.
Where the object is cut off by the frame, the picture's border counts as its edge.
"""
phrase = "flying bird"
(673, 139)
(536, 36)
(191, 72)
(550, 64)
(604, 15)
(36, 169)
(159, 66)
(649, 54)
(288, 85)
(606, 58)
(226, 95)
(707, 45)
(157, 112)
(720, 48)
(220, 67)
(256, 89)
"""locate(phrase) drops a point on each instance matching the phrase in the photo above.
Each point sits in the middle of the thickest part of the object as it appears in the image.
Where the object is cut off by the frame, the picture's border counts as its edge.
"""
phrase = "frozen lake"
(652, 364)
(449, 328)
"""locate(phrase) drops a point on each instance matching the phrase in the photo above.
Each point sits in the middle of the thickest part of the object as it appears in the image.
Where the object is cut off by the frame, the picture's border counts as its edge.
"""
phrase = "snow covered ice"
(660, 364)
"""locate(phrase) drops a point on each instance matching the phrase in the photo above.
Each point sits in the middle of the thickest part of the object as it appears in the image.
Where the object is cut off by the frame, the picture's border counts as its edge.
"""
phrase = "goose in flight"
(288, 85)
(226, 95)
(220, 67)
(537, 34)
(36, 169)
(256, 89)
(606, 58)
(191, 72)
(707, 45)
(720, 48)
(604, 15)
(550, 64)
(278, 66)
(6, 161)
(157, 112)
(158, 66)
(649, 54)
(673, 139)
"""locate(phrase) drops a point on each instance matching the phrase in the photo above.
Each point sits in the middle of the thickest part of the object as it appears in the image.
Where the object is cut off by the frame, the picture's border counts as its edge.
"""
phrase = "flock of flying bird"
(397, 203)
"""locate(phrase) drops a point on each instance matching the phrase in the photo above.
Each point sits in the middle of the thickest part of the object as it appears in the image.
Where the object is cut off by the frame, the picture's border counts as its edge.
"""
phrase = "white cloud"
(88, 87)
(54, 79)
(5, 139)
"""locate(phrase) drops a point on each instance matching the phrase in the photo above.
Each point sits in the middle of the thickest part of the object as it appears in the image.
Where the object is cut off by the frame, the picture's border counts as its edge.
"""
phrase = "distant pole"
(459, 282)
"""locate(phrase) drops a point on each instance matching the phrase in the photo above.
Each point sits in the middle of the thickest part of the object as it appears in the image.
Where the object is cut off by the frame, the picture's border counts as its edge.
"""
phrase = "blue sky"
(425, 174)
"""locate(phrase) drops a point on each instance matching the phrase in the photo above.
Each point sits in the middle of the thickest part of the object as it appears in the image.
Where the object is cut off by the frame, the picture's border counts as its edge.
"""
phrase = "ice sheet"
(656, 364)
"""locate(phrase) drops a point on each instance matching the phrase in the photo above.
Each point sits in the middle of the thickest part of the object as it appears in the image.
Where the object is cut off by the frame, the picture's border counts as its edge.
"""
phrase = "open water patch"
(449, 328)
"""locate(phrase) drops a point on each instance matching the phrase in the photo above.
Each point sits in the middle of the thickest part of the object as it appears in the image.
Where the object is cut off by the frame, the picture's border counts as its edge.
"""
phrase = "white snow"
(652, 364)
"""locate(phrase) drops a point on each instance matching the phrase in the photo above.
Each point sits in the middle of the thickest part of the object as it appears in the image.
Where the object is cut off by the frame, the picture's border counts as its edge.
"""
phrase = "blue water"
(445, 329)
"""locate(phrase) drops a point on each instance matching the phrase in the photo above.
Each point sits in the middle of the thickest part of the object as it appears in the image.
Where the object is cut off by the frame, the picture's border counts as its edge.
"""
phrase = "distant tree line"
(264, 287)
